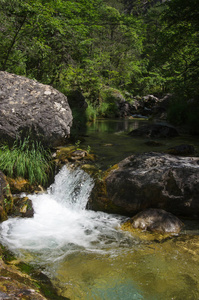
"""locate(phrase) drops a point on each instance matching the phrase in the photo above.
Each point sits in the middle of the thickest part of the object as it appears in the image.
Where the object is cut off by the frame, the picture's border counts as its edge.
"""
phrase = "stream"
(86, 254)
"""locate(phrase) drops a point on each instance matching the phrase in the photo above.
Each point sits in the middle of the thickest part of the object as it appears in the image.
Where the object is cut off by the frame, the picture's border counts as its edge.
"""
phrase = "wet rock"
(23, 207)
(29, 107)
(150, 180)
(155, 131)
(6, 199)
(19, 185)
(78, 154)
(15, 285)
(156, 220)
(71, 154)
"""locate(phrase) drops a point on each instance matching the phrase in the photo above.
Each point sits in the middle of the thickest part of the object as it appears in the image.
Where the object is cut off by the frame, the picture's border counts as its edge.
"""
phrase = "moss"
(18, 278)
(90, 169)
(99, 199)
(23, 207)
(41, 281)
(107, 172)
(6, 199)
(3, 214)
(19, 185)
(143, 234)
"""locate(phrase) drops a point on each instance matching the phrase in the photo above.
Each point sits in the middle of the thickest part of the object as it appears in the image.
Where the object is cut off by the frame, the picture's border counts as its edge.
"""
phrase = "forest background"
(136, 47)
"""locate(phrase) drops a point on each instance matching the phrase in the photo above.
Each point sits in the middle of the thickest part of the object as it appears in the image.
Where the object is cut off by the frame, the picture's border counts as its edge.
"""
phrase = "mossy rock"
(6, 199)
(73, 154)
(19, 280)
(99, 200)
(16, 285)
(90, 169)
(23, 207)
(20, 185)
(144, 235)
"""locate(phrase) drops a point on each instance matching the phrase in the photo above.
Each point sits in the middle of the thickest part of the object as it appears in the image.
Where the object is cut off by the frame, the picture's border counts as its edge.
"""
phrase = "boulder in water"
(150, 180)
(155, 131)
(156, 220)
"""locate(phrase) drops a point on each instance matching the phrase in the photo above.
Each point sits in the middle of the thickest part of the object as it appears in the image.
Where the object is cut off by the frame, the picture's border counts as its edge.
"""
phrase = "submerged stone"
(156, 220)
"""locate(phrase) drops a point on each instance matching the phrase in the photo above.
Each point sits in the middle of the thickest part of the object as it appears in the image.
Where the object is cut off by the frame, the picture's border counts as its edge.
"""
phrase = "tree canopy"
(135, 46)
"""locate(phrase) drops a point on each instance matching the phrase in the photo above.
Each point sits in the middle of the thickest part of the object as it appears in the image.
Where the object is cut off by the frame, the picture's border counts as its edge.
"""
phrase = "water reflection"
(110, 141)
(113, 126)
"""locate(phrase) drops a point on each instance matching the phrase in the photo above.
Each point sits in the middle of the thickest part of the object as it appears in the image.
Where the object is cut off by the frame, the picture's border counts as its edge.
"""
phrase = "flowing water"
(88, 256)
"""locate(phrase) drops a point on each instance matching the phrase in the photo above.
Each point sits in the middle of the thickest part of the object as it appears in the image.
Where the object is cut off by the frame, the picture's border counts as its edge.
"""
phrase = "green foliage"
(91, 112)
(77, 144)
(132, 46)
(104, 110)
(173, 49)
(27, 159)
(69, 43)
(109, 99)
(88, 149)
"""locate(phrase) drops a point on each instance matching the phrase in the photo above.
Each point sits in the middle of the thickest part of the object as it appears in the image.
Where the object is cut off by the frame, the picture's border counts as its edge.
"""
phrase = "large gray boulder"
(29, 106)
(150, 180)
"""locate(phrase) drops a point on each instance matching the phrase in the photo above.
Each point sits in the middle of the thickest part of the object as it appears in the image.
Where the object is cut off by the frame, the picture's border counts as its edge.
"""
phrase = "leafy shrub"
(91, 112)
(27, 159)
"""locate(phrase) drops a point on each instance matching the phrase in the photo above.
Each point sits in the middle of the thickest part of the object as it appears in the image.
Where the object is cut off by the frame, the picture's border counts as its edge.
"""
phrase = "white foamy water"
(61, 223)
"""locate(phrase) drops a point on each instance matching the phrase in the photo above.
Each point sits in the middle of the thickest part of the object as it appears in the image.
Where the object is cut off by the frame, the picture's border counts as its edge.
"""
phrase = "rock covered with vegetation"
(6, 199)
(21, 281)
(29, 106)
(150, 180)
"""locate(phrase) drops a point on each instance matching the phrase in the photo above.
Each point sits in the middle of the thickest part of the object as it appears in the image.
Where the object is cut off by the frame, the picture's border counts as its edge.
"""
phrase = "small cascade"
(71, 188)
(61, 224)
(85, 254)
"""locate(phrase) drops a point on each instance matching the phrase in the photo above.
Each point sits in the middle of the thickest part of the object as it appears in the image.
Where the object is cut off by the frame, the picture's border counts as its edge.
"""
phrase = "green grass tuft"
(27, 159)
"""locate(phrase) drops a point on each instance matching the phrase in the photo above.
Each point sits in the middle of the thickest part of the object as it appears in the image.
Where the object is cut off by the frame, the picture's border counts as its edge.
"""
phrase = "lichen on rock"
(29, 107)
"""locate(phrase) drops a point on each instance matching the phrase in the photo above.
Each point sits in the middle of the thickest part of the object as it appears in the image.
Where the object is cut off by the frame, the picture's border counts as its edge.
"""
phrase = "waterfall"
(61, 224)
(72, 188)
